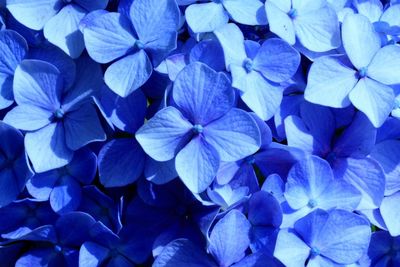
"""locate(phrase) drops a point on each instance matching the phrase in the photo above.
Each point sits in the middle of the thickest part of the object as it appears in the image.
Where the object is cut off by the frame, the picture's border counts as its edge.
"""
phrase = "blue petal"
(108, 37)
(330, 80)
(33, 14)
(373, 99)
(83, 166)
(39, 257)
(129, 73)
(385, 65)
(92, 254)
(62, 30)
(28, 118)
(164, 134)
(206, 17)
(299, 136)
(66, 195)
(82, 126)
(291, 249)
(357, 32)
(234, 136)
(121, 162)
(73, 228)
(90, 5)
(183, 252)
(276, 60)
(10, 188)
(197, 164)
(248, 12)
(390, 213)
(38, 83)
(209, 52)
(13, 49)
(160, 172)
(202, 94)
(280, 23)
(46, 148)
(264, 210)
(230, 238)
(41, 184)
(372, 9)
(6, 90)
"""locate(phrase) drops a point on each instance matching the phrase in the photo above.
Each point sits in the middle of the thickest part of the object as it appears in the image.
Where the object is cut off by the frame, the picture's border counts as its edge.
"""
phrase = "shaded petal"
(232, 42)
(13, 49)
(385, 65)
(318, 30)
(129, 73)
(391, 213)
(290, 249)
(74, 228)
(280, 23)
(32, 13)
(197, 164)
(230, 238)
(9, 188)
(264, 210)
(360, 40)
(202, 94)
(83, 166)
(206, 17)
(277, 60)
(373, 99)
(248, 12)
(330, 81)
(108, 36)
(38, 83)
(62, 30)
(6, 91)
(164, 134)
(28, 118)
(90, 5)
(234, 136)
(82, 126)
(47, 149)
(92, 254)
(66, 195)
(41, 184)
(160, 172)
(121, 162)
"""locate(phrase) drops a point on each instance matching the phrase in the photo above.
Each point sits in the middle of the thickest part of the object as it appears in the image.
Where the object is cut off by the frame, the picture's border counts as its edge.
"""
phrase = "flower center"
(248, 65)
(58, 114)
(250, 160)
(139, 45)
(362, 72)
(197, 129)
(312, 203)
(292, 13)
(315, 252)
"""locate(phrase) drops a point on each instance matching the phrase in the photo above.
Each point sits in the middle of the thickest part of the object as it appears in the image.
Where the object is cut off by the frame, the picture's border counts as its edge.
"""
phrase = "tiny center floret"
(197, 129)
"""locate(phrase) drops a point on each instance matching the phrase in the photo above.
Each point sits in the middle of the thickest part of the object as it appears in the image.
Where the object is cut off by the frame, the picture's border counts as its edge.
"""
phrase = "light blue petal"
(284, 5)
(38, 83)
(248, 12)
(374, 99)
(290, 249)
(206, 17)
(197, 164)
(46, 148)
(129, 73)
(280, 23)
(306, 6)
(298, 135)
(339, 194)
(41, 184)
(13, 48)
(90, 5)
(360, 40)
(6, 90)
(28, 118)
(367, 176)
(276, 60)
(329, 82)
(232, 42)
(202, 94)
(121, 162)
(390, 16)
(318, 30)
(385, 65)
(92, 254)
(234, 136)
(372, 9)
(390, 213)
(230, 238)
(108, 37)
(82, 126)
(32, 13)
(66, 195)
(164, 134)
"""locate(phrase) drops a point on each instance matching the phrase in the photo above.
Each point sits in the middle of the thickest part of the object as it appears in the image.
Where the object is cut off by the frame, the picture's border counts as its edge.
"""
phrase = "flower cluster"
(208, 133)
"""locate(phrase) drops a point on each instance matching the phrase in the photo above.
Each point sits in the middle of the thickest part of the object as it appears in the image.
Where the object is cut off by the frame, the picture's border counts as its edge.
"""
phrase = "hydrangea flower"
(258, 69)
(313, 23)
(59, 20)
(209, 16)
(136, 43)
(324, 239)
(59, 120)
(196, 131)
(333, 82)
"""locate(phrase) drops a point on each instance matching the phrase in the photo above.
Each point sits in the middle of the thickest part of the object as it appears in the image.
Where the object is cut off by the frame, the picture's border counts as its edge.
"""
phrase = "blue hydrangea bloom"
(59, 20)
(207, 17)
(202, 129)
(59, 120)
(313, 23)
(333, 82)
(258, 69)
(322, 238)
(136, 43)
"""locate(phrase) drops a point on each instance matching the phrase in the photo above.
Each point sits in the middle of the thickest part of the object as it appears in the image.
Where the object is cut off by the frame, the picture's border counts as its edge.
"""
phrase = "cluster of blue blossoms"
(207, 133)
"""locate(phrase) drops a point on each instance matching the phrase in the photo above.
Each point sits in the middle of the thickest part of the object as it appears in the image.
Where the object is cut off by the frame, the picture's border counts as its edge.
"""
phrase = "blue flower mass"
(199, 133)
